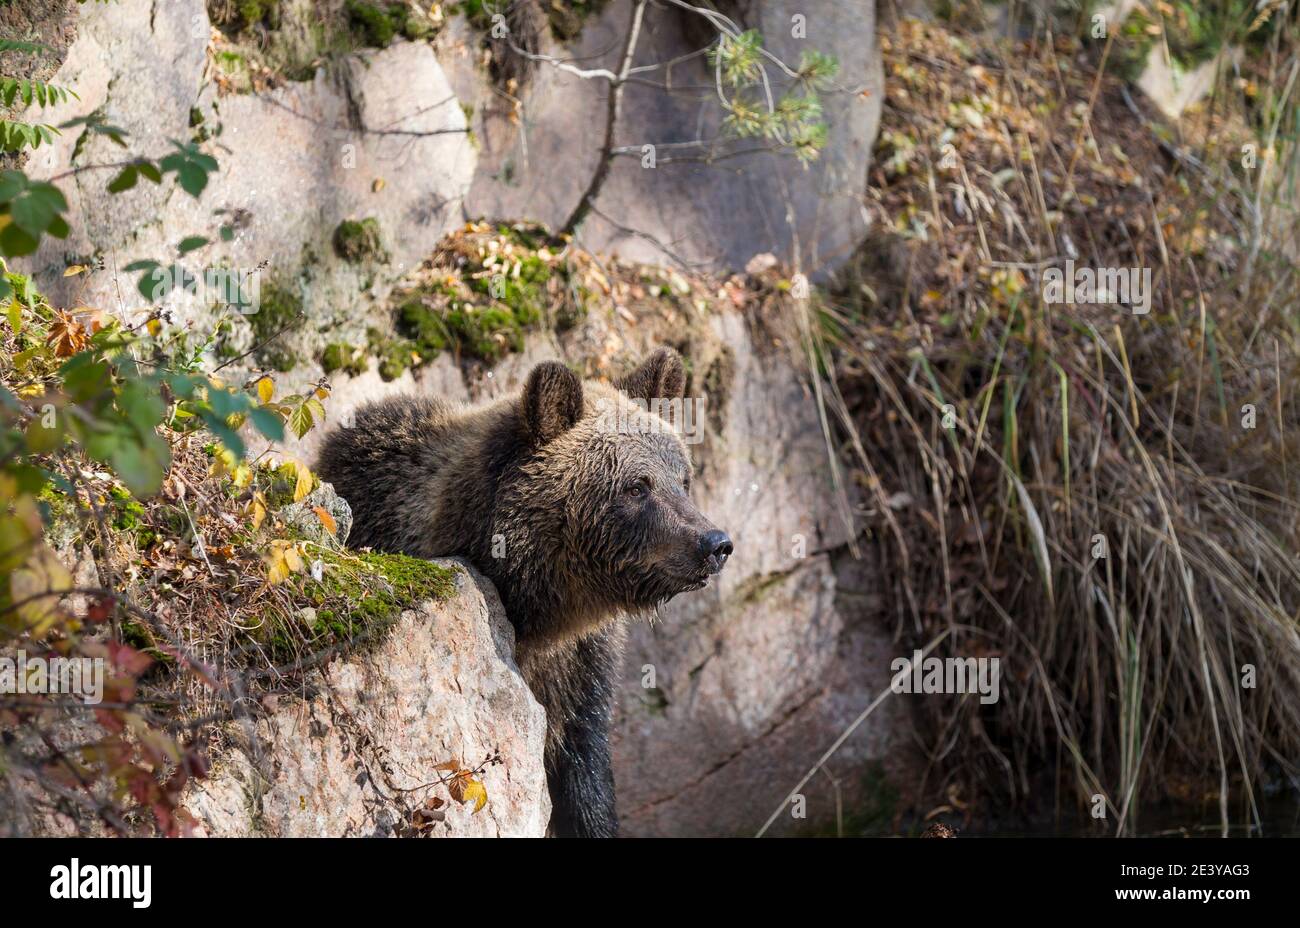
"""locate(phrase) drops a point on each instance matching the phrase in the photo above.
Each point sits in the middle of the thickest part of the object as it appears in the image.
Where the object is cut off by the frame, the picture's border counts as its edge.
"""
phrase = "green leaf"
(12, 183)
(183, 385)
(35, 207)
(223, 432)
(191, 243)
(125, 180)
(192, 179)
(268, 423)
(140, 466)
(15, 243)
(301, 420)
(191, 167)
(142, 405)
(85, 378)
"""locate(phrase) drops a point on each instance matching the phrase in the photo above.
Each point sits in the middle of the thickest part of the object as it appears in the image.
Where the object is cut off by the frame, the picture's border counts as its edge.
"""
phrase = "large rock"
(355, 757)
(536, 161)
(381, 137)
(734, 692)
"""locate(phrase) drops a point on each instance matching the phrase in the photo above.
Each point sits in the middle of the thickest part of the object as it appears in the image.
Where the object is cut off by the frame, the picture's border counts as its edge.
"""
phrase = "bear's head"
(608, 472)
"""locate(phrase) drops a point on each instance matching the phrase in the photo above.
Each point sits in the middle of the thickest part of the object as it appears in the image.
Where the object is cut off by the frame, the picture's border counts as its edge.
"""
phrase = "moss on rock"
(277, 310)
(489, 303)
(340, 356)
(393, 354)
(358, 240)
(357, 598)
(378, 24)
(249, 13)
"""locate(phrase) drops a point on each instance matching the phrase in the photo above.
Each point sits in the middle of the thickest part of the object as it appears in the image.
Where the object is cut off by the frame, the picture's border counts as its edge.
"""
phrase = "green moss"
(340, 356)
(874, 813)
(1195, 33)
(479, 12)
(357, 599)
(567, 17)
(257, 12)
(276, 311)
(142, 638)
(377, 24)
(394, 355)
(417, 28)
(486, 332)
(128, 515)
(59, 513)
(424, 327)
(357, 240)
(279, 483)
(871, 814)
(486, 310)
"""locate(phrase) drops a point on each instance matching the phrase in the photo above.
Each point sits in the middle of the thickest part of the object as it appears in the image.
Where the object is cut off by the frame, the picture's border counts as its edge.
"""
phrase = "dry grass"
(1077, 425)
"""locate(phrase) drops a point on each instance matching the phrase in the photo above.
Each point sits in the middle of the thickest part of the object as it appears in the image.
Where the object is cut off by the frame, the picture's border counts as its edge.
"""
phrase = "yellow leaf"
(277, 570)
(326, 519)
(265, 389)
(34, 587)
(75, 269)
(293, 559)
(15, 316)
(257, 509)
(154, 326)
(476, 793)
(465, 789)
(303, 487)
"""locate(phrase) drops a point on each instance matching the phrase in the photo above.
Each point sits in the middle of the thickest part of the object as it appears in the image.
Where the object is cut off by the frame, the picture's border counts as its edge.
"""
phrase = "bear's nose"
(716, 547)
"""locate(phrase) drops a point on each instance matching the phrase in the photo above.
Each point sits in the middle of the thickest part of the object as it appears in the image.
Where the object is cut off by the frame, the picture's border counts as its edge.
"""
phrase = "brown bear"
(573, 498)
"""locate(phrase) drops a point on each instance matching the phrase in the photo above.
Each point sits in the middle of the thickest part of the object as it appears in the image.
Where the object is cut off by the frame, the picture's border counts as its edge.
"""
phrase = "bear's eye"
(637, 488)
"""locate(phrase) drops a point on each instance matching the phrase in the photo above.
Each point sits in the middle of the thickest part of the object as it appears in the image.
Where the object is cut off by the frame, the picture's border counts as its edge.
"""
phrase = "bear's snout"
(715, 547)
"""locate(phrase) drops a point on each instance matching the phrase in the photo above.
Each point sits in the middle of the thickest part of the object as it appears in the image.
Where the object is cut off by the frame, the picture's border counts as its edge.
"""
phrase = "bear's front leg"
(578, 770)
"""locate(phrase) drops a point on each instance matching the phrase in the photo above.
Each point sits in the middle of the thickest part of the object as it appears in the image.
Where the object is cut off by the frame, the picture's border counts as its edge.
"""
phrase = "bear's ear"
(552, 401)
(660, 376)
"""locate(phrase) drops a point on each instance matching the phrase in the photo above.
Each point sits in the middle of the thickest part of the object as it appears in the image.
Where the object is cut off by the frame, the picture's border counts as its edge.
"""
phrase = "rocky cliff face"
(360, 754)
(733, 693)
(379, 138)
(536, 156)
